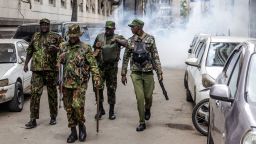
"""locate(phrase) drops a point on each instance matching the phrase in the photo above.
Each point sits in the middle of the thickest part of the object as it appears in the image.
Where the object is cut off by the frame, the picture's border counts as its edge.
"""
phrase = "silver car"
(232, 102)
(14, 82)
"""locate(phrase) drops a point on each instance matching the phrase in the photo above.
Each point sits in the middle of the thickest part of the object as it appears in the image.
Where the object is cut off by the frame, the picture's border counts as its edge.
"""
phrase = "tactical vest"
(110, 52)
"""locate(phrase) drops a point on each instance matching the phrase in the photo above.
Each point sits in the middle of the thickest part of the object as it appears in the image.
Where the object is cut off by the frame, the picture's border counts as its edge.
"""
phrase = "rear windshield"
(7, 53)
(219, 53)
(26, 32)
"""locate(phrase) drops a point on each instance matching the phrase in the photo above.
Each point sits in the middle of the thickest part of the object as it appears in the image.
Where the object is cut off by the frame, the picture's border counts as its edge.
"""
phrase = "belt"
(141, 72)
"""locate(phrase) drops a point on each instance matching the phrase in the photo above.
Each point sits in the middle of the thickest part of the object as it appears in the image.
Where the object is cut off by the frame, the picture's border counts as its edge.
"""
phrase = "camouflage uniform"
(44, 70)
(142, 76)
(78, 60)
(108, 70)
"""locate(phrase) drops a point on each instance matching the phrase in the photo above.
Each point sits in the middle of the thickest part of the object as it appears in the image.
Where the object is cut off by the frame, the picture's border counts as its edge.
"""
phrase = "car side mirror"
(192, 62)
(207, 81)
(221, 92)
(190, 50)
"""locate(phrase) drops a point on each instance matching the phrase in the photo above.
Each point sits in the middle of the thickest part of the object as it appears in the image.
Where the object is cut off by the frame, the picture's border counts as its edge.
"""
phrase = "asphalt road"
(170, 121)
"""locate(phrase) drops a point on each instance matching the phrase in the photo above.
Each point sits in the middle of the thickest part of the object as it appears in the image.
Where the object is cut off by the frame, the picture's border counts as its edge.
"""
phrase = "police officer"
(142, 53)
(78, 60)
(107, 47)
(43, 51)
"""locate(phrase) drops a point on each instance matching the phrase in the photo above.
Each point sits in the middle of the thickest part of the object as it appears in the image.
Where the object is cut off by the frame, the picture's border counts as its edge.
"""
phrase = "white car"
(203, 68)
(14, 82)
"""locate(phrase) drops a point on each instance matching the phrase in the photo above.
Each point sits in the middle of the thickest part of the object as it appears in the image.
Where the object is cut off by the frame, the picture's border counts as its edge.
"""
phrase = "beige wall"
(9, 9)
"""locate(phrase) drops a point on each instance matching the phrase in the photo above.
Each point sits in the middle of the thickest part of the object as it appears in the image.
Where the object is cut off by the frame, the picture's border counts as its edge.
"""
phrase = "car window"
(219, 52)
(231, 63)
(251, 81)
(233, 80)
(7, 53)
(21, 50)
(199, 47)
(201, 53)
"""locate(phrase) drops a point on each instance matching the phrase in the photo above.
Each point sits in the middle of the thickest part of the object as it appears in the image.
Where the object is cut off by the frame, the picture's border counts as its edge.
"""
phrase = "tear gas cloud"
(215, 17)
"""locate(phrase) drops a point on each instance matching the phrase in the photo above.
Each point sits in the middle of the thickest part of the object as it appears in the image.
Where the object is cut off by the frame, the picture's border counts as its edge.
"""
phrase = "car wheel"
(200, 116)
(209, 136)
(186, 80)
(16, 104)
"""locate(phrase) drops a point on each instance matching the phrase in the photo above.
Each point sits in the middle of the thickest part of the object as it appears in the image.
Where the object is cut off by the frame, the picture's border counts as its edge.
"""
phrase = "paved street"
(170, 121)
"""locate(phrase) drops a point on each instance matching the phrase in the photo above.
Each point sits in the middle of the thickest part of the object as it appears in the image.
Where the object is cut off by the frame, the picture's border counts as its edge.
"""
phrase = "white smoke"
(216, 17)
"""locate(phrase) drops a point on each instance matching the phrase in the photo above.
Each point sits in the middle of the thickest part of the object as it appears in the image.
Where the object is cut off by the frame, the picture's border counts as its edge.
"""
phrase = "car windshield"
(7, 53)
(251, 81)
(219, 53)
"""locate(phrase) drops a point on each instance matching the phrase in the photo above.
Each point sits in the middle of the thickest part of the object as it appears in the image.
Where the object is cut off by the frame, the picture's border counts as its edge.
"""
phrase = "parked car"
(14, 82)
(202, 70)
(191, 52)
(233, 99)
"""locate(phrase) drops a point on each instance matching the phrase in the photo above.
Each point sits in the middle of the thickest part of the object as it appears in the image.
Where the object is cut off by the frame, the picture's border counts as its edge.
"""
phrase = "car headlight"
(249, 138)
(4, 82)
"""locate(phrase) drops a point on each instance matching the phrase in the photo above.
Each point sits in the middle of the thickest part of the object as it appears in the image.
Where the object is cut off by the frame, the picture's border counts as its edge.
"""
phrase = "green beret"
(45, 20)
(110, 24)
(136, 22)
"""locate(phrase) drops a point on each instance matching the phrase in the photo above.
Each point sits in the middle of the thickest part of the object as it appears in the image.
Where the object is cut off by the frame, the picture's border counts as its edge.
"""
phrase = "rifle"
(60, 84)
(98, 109)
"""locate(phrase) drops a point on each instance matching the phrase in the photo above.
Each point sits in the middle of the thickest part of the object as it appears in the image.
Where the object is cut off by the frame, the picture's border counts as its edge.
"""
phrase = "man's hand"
(62, 57)
(99, 44)
(96, 52)
(97, 82)
(25, 68)
(124, 80)
(160, 77)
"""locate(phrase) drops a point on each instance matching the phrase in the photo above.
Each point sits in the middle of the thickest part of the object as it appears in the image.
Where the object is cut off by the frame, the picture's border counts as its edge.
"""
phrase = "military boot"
(53, 120)
(73, 136)
(101, 111)
(82, 132)
(112, 115)
(31, 124)
(147, 114)
(141, 127)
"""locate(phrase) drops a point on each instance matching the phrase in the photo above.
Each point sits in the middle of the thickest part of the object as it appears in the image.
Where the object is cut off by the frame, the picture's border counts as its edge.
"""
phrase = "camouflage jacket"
(153, 64)
(42, 57)
(107, 40)
(77, 62)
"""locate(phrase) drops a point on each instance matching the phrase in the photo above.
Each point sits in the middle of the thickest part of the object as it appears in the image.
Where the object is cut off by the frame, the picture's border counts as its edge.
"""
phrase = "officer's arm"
(122, 41)
(96, 47)
(30, 51)
(93, 64)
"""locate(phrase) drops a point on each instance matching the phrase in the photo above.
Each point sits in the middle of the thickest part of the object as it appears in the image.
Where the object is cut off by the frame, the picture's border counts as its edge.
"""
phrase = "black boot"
(141, 127)
(53, 121)
(73, 136)
(147, 114)
(82, 132)
(112, 115)
(31, 124)
(101, 111)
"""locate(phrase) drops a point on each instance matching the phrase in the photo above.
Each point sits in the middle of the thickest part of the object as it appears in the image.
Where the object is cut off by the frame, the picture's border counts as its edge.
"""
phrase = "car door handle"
(217, 102)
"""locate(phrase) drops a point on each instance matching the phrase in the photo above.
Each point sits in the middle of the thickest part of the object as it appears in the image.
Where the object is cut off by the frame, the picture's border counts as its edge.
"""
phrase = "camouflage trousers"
(109, 75)
(74, 100)
(39, 79)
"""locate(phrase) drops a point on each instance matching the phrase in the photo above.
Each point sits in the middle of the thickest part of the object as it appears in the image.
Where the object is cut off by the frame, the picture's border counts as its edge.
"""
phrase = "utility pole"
(74, 10)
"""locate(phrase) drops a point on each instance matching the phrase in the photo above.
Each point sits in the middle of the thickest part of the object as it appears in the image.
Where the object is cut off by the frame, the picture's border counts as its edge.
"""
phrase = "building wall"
(252, 26)
(94, 11)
